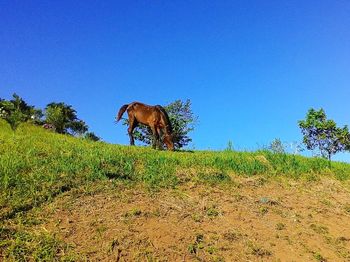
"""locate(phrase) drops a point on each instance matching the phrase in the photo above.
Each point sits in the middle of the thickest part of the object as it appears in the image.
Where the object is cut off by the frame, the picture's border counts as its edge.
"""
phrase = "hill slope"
(64, 198)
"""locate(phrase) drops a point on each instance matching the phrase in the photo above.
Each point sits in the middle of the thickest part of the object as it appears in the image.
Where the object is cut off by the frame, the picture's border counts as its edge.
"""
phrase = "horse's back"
(144, 114)
(139, 106)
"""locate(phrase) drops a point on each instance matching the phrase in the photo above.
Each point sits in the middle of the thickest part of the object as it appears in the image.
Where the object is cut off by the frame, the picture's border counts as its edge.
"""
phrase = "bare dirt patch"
(253, 220)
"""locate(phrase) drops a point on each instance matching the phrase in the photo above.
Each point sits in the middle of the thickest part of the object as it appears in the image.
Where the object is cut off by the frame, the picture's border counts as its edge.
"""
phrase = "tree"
(182, 120)
(91, 136)
(64, 118)
(17, 110)
(321, 133)
(59, 117)
(277, 147)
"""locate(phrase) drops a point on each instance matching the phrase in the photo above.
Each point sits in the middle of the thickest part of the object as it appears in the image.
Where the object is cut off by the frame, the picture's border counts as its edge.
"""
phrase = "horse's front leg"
(132, 141)
(160, 136)
(155, 140)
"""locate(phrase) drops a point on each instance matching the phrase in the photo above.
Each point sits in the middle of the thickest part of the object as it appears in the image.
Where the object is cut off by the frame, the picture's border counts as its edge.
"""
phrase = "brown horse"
(153, 116)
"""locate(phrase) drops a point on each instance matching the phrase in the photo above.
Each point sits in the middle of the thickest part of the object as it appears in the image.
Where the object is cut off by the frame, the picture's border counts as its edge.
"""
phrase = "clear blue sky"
(252, 69)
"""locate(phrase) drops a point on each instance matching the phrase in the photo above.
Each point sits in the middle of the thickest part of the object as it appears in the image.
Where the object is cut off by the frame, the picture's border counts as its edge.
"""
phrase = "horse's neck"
(167, 124)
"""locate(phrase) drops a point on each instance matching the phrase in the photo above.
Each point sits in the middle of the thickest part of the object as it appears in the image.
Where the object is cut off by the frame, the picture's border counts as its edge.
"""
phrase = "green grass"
(37, 165)
(27, 246)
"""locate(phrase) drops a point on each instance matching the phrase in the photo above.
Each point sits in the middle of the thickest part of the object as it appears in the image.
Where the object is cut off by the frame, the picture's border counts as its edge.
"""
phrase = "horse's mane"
(168, 124)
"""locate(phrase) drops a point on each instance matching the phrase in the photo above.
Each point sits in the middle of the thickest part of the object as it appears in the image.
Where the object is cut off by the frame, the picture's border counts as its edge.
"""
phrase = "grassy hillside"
(37, 166)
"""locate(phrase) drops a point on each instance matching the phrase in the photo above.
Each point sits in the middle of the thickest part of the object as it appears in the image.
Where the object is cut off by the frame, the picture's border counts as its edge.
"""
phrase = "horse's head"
(168, 141)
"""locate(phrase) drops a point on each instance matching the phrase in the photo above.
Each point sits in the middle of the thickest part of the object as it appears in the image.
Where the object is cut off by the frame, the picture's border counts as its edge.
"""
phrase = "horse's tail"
(169, 127)
(121, 111)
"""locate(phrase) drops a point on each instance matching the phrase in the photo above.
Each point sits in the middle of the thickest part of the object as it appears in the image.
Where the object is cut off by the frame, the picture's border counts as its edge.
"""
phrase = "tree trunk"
(329, 159)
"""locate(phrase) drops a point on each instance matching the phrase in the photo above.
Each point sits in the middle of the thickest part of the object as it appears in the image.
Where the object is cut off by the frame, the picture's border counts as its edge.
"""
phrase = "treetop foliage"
(60, 117)
(277, 147)
(65, 119)
(17, 110)
(323, 134)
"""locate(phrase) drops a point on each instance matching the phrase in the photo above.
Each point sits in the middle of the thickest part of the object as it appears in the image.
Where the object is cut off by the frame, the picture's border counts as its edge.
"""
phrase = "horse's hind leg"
(132, 125)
